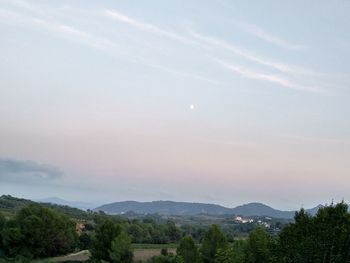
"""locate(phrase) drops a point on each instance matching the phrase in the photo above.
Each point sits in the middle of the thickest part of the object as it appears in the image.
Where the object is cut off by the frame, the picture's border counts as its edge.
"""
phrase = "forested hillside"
(10, 205)
(31, 231)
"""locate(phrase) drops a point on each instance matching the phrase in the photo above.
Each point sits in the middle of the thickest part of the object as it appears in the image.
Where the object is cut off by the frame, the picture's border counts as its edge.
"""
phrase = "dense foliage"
(310, 239)
(10, 204)
(36, 232)
(188, 250)
(105, 233)
(213, 240)
(323, 238)
(151, 232)
(121, 251)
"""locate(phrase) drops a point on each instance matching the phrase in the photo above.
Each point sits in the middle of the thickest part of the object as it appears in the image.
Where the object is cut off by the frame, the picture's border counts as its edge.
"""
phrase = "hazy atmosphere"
(223, 102)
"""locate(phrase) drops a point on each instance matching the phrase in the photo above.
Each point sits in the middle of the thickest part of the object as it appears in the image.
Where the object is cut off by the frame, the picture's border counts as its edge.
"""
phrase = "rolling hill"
(184, 208)
(11, 204)
(163, 207)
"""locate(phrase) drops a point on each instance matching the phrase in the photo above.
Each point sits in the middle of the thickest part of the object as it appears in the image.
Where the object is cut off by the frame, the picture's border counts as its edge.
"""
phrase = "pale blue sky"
(101, 92)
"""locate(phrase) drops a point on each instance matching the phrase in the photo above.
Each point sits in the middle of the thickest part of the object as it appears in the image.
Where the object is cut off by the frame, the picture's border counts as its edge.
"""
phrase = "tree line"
(324, 238)
(39, 232)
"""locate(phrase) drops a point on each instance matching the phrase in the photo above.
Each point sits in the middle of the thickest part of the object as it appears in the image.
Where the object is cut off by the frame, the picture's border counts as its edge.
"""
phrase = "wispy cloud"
(85, 37)
(177, 72)
(260, 32)
(268, 37)
(207, 42)
(243, 53)
(276, 79)
(114, 14)
(76, 35)
(64, 30)
(287, 77)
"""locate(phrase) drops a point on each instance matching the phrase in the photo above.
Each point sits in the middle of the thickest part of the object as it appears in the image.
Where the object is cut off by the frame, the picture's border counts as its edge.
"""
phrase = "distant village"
(265, 222)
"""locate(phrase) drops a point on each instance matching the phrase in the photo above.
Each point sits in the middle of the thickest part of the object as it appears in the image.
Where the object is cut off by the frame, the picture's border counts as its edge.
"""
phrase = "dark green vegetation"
(111, 244)
(10, 204)
(30, 231)
(310, 239)
(36, 232)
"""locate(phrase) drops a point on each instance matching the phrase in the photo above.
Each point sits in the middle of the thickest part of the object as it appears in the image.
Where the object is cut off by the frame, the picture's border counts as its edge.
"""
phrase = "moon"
(191, 107)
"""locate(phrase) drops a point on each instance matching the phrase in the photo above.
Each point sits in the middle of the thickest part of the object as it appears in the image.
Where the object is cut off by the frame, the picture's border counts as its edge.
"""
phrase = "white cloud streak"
(276, 79)
(203, 39)
(275, 40)
(70, 32)
(261, 33)
(209, 42)
(193, 39)
(146, 26)
(103, 44)
(244, 53)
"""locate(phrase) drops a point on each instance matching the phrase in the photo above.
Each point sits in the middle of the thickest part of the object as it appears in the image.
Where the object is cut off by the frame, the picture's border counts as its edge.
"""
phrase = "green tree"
(226, 255)
(2, 221)
(213, 241)
(105, 233)
(12, 239)
(258, 246)
(322, 238)
(2, 225)
(137, 233)
(172, 232)
(187, 250)
(85, 241)
(39, 232)
(121, 251)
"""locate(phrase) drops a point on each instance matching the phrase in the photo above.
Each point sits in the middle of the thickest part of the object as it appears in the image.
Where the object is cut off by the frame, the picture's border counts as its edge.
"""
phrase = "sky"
(220, 101)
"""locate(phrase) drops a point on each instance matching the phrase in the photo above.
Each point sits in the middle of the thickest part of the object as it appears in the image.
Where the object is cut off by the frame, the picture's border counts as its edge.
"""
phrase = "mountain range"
(185, 208)
(156, 207)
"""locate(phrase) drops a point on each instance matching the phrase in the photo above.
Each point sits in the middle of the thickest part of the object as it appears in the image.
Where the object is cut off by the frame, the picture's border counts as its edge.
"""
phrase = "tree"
(38, 232)
(2, 221)
(322, 238)
(258, 246)
(136, 233)
(85, 241)
(121, 251)
(12, 239)
(213, 241)
(2, 225)
(172, 232)
(188, 250)
(106, 232)
(226, 255)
